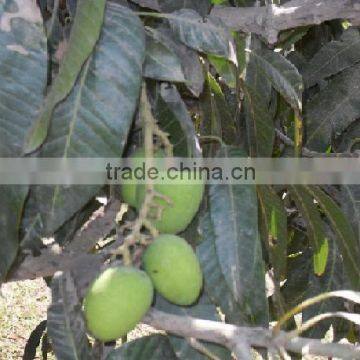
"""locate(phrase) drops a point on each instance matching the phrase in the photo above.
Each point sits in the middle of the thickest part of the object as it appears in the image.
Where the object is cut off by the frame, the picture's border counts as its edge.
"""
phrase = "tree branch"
(231, 336)
(313, 154)
(75, 254)
(268, 21)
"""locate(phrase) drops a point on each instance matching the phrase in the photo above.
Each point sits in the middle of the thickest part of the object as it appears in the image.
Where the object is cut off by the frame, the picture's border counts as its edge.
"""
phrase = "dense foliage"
(77, 77)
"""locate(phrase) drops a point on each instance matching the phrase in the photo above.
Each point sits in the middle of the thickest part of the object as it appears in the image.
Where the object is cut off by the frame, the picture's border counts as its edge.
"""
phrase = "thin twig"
(313, 154)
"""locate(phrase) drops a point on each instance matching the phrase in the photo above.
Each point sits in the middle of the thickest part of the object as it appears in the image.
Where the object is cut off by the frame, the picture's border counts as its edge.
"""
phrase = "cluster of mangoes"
(119, 298)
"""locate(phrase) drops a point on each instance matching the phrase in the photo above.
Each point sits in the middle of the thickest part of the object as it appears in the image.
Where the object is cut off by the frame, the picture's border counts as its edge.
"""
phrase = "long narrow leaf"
(347, 241)
(65, 325)
(84, 34)
(95, 118)
(23, 62)
(315, 227)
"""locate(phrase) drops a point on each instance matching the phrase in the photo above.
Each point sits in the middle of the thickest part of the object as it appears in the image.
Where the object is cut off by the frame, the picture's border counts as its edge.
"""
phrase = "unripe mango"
(185, 198)
(128, 190)
(116, 301)
(174, 269)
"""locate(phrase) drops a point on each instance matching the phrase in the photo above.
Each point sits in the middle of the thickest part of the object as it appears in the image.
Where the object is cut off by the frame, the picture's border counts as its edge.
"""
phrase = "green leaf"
(299, 271)
(200, 6)
(215, 285)
(161, 62)
(219, 107)
(203, 309)
(174, 118)
(275, 223)
(23, 62)
(234, 215)
(151, 4)
(349, 140)
(209, 36)
(65, 322)
(257, 96)
(350, 201)
(95, 118)
(333, 109)
(84, 35)
(218, 118)
(333, 58)
(282, 74)
(225, 68)
(190, 62)
(260, 125)
(346, 239)
(331, 280)
(154, 347)
(12, 200)
(290, 37)
(315, 228)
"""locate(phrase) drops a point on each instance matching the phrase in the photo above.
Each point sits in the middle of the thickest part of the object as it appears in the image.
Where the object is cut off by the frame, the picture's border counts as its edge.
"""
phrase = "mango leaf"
(153, 347)
(333, 57)
(275, 223)
(174, 118)
(209, 36)
(23, 62)
(234, 215)
(315, 38)
(161, 62)
(215, 285)
(190, 62)
(151, 4)
(94, 120)
(349, 140)
(345, 237)
(290, 37)
(84, 34)
(300, 267)
(203, 309)
(257, 96)
(331, 280)
(315, 229)
(65, 324)
(333, 109)
(282, 74)
(12, 200)
(260, 126)
(218, 118)
(350, 203)
(225, 68)
(200, 6)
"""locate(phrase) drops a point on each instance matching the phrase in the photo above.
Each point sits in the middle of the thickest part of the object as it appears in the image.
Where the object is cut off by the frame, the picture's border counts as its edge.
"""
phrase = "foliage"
(209, 91)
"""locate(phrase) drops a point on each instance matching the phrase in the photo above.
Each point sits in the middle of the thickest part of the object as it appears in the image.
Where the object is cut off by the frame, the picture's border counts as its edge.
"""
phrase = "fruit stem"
(150, 129)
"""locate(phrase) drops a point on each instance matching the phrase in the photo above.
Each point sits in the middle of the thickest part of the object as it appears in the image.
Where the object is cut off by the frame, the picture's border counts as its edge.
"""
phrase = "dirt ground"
(23, 306)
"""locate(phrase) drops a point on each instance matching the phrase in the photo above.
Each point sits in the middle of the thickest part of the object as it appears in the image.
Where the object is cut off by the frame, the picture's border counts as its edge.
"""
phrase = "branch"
(75, 254)
(313, 154)
(232, 336)
(268, 21)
